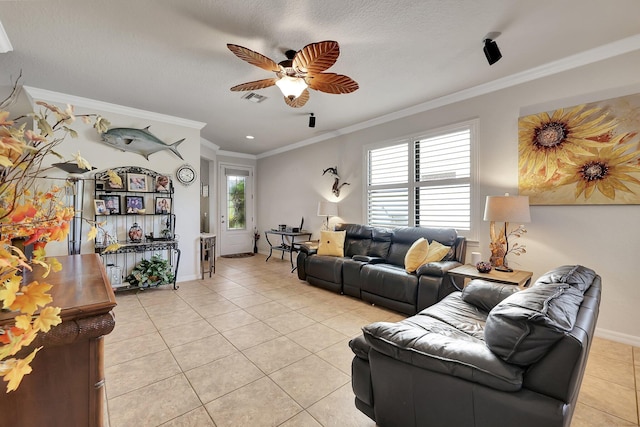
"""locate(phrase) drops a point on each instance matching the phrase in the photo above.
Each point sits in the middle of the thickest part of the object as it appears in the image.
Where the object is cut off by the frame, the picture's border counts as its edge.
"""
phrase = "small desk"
(207, 250)
(290, 245)
(519, 278)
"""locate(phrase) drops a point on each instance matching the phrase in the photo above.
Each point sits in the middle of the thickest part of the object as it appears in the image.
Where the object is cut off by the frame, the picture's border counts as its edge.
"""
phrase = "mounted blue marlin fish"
(139, 141)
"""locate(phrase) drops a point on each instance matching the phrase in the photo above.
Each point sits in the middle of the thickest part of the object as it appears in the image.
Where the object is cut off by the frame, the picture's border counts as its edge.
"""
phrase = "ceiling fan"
(301, 70)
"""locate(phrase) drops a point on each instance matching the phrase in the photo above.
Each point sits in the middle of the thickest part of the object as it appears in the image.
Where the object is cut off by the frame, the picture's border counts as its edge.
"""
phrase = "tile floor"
(254, 346)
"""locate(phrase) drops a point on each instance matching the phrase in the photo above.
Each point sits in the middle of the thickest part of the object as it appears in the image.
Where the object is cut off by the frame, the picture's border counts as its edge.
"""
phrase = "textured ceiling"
(170, 56)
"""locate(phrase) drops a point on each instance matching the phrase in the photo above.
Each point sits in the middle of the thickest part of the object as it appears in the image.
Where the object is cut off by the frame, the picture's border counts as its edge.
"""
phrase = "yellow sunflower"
(547, 141)
(606, 170)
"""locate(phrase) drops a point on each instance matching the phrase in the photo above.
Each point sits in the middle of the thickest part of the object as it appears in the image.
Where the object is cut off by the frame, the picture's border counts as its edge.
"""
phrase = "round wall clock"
(186, 174)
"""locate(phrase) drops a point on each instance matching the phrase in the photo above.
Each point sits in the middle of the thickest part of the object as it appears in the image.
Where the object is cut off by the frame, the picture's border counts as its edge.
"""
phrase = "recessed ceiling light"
(249, 137)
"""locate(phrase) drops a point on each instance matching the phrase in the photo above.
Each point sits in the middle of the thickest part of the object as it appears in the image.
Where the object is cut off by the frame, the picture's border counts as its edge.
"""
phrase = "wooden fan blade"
(254, 58)
(255, 85)
(316, 57)
(299, 101)
(332, 83)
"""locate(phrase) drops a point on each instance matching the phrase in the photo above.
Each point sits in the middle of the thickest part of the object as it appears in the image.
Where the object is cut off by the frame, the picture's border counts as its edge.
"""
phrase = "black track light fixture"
(491, 50)
(312, 120)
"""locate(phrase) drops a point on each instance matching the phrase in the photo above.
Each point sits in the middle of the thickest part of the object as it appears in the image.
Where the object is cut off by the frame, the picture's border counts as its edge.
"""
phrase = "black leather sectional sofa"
(373, 266)
(488, 356)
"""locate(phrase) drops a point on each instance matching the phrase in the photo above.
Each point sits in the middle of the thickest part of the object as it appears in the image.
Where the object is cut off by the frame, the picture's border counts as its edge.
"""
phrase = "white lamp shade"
(5, 44)
(291, 87)
(327, 209)
(507, 209)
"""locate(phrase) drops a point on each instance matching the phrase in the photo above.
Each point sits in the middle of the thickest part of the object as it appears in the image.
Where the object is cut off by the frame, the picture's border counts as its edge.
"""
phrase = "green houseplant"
(151, 272)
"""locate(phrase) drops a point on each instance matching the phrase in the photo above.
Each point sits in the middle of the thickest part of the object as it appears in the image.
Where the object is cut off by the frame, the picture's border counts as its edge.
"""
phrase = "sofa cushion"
(389, 281)
(522, 328)
(331, 243)
(575, 275)
(445, 338)
(486, 295)
(416, 255)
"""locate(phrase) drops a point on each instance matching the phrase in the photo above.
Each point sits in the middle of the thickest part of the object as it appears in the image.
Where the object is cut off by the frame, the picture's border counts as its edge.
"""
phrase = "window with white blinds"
(423, 182)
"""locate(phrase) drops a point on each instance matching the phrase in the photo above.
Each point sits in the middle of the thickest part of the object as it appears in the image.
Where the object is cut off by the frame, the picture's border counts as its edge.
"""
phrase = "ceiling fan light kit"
(302, 70)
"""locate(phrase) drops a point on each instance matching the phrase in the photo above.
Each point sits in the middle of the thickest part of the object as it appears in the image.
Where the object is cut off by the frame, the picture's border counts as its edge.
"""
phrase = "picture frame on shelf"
(135, 204)
(163, 205)
(163, 184)
(137, 182)
(100, 207)
(108, 185)
(112, 203)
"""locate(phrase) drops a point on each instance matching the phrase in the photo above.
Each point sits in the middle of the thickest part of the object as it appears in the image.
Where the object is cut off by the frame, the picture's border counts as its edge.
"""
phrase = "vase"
(135, 233)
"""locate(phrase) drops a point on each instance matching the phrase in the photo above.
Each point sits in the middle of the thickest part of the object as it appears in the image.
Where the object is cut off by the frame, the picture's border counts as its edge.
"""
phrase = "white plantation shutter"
(426, 182)
(443, 180)
(388, 194)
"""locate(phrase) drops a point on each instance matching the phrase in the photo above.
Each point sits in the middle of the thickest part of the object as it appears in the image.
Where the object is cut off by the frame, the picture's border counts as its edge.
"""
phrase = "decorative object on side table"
(506, 209)
(483, 267)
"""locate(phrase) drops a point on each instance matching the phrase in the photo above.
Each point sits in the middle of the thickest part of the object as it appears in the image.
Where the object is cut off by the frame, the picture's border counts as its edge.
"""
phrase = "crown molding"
(237, 155)
(620, 47)
(208, 144)
(51, 96)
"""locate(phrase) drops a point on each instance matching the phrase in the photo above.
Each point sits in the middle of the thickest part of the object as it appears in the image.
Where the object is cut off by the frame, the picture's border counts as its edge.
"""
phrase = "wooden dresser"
(66, 387)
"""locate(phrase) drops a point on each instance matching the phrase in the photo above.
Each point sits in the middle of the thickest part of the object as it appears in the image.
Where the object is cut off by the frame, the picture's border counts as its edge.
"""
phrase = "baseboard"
(618, 337)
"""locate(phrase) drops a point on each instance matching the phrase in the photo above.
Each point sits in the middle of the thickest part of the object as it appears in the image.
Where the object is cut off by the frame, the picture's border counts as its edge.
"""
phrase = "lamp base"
(503, 268)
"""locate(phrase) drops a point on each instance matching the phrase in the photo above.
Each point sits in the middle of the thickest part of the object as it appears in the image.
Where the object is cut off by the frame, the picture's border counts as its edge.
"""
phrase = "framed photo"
(112, 204)
(108, 185)
(163, 183)
(134, 204)
(101, 208)
(137, 182)
(163, 205)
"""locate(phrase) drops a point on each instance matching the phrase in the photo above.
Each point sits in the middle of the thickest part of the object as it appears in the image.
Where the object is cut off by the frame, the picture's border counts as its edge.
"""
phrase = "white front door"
(236, 213)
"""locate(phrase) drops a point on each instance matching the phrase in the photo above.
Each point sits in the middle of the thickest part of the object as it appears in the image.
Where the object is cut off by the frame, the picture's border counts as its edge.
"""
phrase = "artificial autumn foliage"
(32, 212)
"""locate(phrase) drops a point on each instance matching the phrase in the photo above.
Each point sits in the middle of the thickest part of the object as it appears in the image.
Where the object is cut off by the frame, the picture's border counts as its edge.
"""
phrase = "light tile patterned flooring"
(254, 346)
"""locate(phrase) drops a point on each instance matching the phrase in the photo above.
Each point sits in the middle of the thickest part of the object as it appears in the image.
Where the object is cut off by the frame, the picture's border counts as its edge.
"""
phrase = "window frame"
(412, 185)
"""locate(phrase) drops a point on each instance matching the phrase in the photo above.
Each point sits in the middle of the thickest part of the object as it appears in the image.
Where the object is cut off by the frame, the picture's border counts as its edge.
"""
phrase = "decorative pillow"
(437, 251)
(522, 328)
(331, 243)
(416, 255)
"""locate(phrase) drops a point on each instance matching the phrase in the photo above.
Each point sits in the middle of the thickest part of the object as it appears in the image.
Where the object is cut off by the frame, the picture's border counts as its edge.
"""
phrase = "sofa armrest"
(439, 268)
(449, 355)
(369, 259)
(308, 249)
(360, 347)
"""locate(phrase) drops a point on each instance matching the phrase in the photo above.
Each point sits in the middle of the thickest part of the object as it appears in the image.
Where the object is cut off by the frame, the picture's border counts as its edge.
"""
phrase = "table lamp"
(327, 209)
(506, 209)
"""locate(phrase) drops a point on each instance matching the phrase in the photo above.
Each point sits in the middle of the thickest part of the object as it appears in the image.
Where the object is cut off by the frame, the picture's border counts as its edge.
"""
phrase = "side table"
(518, 278)
(207, 252)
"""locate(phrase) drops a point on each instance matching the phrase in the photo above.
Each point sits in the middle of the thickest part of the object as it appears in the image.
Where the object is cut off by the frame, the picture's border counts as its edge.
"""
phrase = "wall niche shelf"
(144, 202)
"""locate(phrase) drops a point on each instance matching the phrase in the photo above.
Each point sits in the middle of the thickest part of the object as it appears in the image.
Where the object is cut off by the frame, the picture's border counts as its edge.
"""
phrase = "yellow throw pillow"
(331, 243)
(416, 254)
(437, 251)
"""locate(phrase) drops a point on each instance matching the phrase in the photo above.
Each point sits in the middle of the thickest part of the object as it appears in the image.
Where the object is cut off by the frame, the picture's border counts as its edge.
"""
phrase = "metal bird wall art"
(335, 189)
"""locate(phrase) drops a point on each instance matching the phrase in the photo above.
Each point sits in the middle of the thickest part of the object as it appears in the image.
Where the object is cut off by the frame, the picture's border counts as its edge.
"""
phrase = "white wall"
(604, 238)
(186, 199)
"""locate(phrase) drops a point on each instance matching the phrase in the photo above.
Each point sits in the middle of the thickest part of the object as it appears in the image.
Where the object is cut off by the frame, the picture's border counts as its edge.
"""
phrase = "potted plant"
(151, 272)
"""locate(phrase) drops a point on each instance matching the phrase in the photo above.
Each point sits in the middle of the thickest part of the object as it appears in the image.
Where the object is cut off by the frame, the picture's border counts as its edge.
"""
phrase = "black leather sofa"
(485, 357)
(373, 266)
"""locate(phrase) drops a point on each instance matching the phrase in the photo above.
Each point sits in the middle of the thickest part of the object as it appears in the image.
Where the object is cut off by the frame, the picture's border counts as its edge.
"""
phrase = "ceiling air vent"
(254, 97)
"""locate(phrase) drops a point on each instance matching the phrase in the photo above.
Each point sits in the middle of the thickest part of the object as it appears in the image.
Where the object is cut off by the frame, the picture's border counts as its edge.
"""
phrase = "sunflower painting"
(586, 154)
